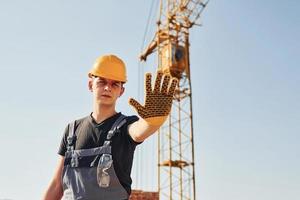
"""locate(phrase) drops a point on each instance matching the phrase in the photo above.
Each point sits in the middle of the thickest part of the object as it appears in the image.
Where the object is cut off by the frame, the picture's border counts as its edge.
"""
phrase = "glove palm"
(158, 101)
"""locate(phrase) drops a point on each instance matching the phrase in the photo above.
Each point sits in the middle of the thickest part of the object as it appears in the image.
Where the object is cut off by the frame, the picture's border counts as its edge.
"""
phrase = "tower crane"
(176, 167)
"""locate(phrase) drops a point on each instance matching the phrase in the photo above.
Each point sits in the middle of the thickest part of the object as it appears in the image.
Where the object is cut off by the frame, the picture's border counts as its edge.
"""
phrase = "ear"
(90, 84)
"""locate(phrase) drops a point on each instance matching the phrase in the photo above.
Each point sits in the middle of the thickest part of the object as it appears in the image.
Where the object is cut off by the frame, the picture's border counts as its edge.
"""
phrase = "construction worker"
(96, 152)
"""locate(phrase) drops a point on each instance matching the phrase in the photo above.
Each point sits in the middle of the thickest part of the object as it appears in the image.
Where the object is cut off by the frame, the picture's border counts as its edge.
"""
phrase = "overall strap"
(115, 129)
(71, 137)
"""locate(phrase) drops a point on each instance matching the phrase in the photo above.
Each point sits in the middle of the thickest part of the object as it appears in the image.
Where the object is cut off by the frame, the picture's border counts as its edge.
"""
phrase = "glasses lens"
(105, 161)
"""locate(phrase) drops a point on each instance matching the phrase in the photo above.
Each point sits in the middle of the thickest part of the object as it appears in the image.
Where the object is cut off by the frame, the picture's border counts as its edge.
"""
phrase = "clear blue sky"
(245, 67)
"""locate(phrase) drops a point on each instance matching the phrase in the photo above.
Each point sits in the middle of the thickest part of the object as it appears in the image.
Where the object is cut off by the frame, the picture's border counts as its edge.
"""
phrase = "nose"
(107, 87)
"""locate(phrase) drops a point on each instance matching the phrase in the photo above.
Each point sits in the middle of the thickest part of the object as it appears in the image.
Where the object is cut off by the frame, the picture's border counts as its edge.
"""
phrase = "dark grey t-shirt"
(91, 135)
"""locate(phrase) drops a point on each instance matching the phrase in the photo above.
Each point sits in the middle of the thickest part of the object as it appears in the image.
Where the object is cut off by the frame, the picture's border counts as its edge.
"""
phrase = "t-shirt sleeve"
(63, 144)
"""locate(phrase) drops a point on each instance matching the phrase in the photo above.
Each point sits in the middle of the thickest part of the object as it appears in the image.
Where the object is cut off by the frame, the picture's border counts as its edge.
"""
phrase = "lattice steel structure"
(176, 169)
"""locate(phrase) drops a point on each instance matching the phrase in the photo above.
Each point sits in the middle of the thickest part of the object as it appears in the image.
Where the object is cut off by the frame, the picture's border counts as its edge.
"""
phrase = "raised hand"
(158, 101)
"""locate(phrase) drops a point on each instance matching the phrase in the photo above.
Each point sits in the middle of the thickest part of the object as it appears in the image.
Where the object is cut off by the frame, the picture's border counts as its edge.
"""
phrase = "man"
(96, 152)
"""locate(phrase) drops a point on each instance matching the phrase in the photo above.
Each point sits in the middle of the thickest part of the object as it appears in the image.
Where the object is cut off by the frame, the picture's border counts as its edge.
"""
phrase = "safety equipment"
(158, 101)
(110, 67)
(105, 162)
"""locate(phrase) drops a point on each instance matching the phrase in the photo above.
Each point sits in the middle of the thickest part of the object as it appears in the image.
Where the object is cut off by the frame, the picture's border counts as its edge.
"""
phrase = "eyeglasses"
(102, 82)
(105, 162)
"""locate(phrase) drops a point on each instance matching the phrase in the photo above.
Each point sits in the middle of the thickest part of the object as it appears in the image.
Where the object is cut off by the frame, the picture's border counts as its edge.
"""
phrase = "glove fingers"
(148, 85)
(165, 84)
(173, 86)
(158, 82)
(137, 106)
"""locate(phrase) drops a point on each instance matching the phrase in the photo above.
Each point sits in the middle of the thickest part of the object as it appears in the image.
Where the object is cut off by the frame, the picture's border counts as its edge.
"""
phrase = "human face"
(106, 91)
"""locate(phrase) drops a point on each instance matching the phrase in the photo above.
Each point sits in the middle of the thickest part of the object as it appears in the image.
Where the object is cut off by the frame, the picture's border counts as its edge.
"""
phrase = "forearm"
(140, 130)
(54, 191)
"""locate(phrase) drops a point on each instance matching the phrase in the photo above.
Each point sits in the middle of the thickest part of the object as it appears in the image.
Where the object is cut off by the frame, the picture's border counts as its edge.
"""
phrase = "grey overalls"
(89, 174)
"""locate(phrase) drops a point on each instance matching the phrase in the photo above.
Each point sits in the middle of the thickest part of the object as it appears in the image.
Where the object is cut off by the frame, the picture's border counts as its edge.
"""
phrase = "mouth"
(106, 96)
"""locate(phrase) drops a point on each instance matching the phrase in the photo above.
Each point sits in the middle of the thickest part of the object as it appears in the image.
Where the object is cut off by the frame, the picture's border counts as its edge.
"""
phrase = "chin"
(105, 103)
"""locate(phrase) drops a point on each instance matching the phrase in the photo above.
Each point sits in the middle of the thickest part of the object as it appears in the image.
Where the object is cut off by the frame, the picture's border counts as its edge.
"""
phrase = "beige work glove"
(158, 101)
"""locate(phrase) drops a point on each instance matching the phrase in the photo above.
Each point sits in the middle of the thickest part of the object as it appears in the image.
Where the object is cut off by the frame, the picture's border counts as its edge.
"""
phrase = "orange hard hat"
(110, 67)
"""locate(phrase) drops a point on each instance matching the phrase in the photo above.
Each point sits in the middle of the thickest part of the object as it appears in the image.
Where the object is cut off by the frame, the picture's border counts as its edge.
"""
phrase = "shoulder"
(130, 119)
(74, 126)
(76, 123)
(79, 121)
(82, 120)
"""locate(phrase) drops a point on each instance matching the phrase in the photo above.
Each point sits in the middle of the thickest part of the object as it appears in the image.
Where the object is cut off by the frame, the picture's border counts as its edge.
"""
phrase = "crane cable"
(139, 157)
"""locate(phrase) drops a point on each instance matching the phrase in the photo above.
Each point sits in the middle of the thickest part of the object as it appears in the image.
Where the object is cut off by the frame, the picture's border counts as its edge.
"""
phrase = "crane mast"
(176, 169)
